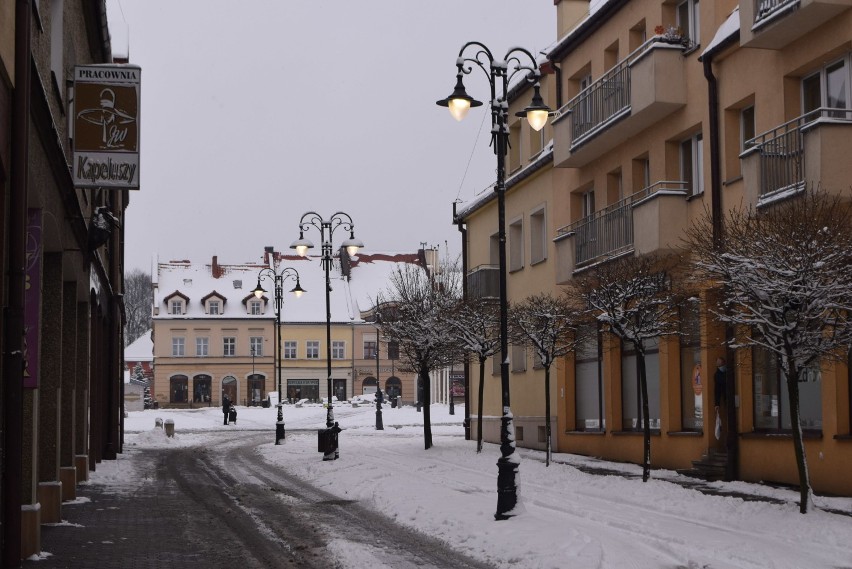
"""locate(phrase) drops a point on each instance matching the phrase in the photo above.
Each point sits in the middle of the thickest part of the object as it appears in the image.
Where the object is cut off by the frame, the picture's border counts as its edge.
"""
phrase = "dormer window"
(214, 303)
(176, 303)
(255, 308)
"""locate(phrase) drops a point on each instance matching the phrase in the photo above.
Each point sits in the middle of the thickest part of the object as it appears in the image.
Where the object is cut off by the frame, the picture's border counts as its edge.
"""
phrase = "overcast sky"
(255, 112)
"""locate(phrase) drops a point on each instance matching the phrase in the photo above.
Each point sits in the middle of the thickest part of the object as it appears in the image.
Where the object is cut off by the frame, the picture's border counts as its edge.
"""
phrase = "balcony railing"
(782, 151)
(766, 9)
(608, 98)
(609, 231)
(483, 281)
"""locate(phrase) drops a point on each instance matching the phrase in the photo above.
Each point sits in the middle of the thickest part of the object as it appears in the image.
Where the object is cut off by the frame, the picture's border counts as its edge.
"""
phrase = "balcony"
(640, 223)
(484, 282)
(810, 150)
(642, 89)
(775, 24)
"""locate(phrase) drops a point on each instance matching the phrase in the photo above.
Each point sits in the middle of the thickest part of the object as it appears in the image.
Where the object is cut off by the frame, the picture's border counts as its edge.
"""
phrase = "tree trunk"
(479, 406)
(427, 417)
(547, 415)
(792, 374)
(646, 419)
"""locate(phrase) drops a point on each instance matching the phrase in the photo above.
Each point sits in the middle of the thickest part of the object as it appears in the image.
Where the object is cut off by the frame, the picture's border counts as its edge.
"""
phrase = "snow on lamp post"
(499, 73)
(326, 227)
(277, 277)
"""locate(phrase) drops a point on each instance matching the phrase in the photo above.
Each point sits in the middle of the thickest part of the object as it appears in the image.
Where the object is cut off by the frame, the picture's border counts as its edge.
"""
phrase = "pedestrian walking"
(226, 407)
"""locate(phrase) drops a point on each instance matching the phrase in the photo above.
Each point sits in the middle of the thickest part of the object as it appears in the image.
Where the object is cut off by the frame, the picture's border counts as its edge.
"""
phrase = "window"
(516, 245)
(588, 203)
(589, 382)
(641, 174)
(229, 345)
(213, 307)
(393, 350)
(538, 237)
(202, 347)
(693, 377)
(828, 87)
(771, 402)
(313, 349)
(289, 350)
(370, 349)
(255, 308)
(689, 20)
(518, 357)
(631, 408)
(256, 345)
(338, 350)
(176, 306)
(178, 346)
(692, 164)
(747, 129)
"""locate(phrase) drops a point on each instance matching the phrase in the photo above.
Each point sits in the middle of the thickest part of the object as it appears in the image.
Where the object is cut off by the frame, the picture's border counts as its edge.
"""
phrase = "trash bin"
(169, 426)
(393, 402)
(266, 402)
(324, 440)
(232, 415)
(158, 422)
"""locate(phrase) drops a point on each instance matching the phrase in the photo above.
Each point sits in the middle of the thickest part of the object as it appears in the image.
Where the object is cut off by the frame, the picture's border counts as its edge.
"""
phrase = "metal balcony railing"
(782, 153)
(610, 231)
(765, 9)
(483, 281)
(608, 98)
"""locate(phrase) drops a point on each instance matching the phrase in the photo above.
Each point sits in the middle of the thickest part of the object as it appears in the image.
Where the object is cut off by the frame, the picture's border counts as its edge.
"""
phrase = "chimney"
(267, 251)
(215, 269)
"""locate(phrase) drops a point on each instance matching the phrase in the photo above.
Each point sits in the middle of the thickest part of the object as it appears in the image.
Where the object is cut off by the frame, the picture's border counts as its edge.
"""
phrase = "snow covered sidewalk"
(571, 518)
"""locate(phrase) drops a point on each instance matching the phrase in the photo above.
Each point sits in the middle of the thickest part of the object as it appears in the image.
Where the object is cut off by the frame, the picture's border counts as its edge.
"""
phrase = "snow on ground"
(569, 518)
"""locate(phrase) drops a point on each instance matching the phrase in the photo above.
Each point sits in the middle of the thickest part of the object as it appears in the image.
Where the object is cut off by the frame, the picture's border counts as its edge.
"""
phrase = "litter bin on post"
(327, 442)
(169, 426)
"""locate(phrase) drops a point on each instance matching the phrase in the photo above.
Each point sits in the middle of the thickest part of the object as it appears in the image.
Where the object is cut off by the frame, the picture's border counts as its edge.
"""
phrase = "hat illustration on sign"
(107, 116)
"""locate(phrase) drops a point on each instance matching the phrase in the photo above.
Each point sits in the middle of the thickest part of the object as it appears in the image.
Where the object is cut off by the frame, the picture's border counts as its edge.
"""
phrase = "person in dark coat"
(226, 407)
(720, 379)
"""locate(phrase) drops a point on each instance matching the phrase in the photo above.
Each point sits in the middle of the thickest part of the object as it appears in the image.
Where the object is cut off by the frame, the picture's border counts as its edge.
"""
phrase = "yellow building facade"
(665, 110)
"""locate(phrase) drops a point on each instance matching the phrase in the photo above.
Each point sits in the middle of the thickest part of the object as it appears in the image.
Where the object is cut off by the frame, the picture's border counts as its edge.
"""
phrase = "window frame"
(338, 350)
(176, 306)
(229, 346)
(178, 346)
(538, 235)
(290, 350)
(202, 346)
(692, 27)
(695, 146)
(256, 345)
(313, 350)
(214, 307)
(255, 308)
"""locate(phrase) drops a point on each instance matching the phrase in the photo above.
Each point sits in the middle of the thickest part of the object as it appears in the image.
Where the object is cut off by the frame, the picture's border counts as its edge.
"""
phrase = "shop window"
(631, 407)
(771, 401)
(178, 389)
(588, 384)
(693, 375)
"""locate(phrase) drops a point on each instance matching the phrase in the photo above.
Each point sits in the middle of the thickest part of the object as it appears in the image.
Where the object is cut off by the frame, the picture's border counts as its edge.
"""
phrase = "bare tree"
(785, 275)
(422, 306)
(475, 326)
(549, 326)
(633, 298)
(138, 302)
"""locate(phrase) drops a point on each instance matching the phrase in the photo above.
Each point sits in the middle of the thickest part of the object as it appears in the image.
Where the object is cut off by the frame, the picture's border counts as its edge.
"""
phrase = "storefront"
(302, 389)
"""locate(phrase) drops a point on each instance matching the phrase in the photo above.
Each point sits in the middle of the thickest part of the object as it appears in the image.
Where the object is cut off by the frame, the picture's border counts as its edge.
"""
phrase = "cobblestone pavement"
(226, 507)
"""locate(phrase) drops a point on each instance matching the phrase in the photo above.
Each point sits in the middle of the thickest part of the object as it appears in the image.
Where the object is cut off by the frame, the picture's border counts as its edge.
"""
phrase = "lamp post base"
(507, 469)
(279, 427)
(380, 426)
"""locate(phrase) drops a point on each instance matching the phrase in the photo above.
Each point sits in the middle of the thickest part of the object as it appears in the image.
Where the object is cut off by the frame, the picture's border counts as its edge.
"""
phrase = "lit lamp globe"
(301, 245)
(537, 112)
(352, 245)
(459, 102)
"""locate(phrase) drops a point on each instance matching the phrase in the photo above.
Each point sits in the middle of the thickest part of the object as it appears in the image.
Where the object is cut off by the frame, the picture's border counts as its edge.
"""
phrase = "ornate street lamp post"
(278, 277)
(499, 73)
(326, 227)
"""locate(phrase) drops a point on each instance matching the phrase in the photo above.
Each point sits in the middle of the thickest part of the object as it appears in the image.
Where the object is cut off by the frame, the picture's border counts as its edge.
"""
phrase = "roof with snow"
(141, 349)
(368, 276)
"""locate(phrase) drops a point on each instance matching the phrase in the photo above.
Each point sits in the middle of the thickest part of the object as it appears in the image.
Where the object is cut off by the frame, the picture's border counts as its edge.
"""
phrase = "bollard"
(170, 428)
(158, 423)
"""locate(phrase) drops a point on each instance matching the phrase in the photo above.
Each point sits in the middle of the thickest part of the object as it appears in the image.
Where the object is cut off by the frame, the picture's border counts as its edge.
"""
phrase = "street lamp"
(379, 424)
(499, 73)
(278, 277)
(326, 228)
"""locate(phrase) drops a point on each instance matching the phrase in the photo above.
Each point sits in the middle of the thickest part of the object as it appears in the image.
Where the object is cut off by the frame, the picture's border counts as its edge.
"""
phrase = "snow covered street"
(571, 518)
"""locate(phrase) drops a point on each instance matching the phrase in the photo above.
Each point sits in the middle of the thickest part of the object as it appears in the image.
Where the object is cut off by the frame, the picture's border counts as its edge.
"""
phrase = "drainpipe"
(731, 438)
(13, 358)
(461, 227)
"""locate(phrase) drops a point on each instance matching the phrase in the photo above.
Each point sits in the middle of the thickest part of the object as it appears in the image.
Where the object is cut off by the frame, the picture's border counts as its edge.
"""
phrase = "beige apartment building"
(665, 110)
(213, 337)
